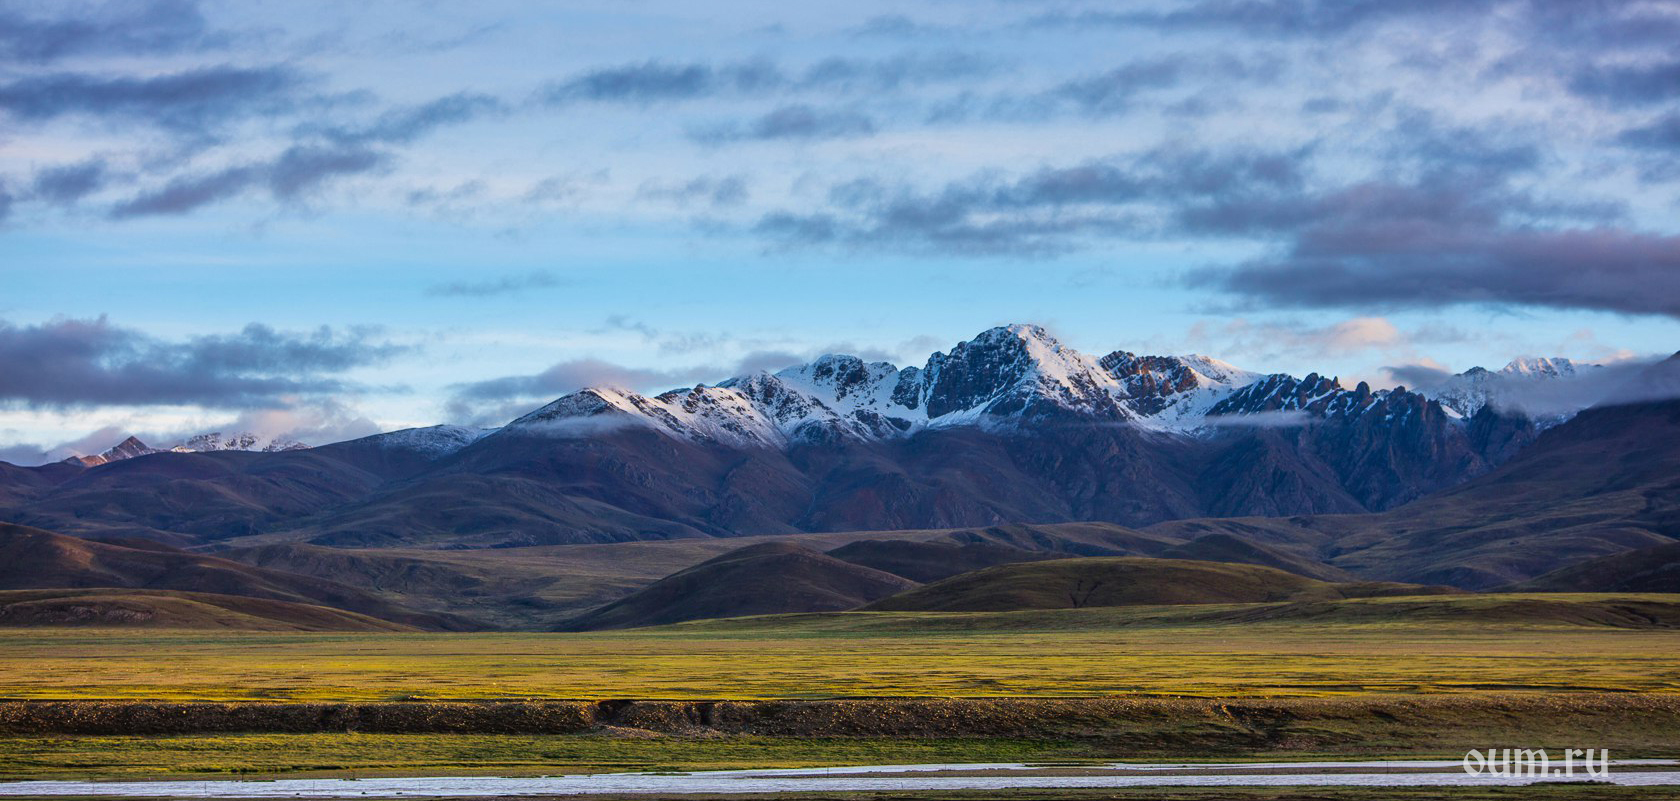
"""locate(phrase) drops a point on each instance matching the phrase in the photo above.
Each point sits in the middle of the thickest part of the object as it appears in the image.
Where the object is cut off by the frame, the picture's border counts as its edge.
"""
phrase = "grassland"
(1190, 651)
(1471, 648)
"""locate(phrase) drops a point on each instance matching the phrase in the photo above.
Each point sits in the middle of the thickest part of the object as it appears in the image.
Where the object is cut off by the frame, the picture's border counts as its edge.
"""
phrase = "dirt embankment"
(1165, 725)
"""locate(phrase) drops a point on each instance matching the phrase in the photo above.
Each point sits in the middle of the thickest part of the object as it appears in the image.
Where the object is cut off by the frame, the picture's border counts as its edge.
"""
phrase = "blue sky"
(318, 221)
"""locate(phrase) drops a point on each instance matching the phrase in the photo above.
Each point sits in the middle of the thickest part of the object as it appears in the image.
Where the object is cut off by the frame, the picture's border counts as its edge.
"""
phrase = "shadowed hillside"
(166, 609)
(35, 559)
(764, 579)
(1122, 581)
(932, 561)
(1654, 569)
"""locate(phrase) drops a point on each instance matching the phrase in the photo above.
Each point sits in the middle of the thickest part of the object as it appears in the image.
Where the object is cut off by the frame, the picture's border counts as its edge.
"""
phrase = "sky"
(318, 220)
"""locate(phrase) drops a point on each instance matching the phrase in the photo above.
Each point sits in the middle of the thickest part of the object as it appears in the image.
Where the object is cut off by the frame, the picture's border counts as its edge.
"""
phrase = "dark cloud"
(296, 172)
(6, 201)
(405, 125)
(862, 74)
(303, 168)
(131, 28)
(190, 192)
(503, 285)
(190, 101)
(23, 454)
(1264, 17)
(1382, 246)
(1661, 134)
(69, 183)
(78, 363)
(895, 26)
(658, 81)
(1644, 84)
(1111, 92)
(1043, 212)
(797, 121)
(729, 190)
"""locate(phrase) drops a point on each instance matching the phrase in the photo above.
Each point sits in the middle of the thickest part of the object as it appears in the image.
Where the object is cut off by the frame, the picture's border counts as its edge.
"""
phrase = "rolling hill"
(1124, 581)
(167, 609)
(932, 560)
(31, 559)
(1654, 569)
(768, 578)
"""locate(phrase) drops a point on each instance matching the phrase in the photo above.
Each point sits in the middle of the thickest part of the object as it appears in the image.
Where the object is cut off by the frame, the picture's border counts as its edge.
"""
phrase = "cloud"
(729, 190)
(293, 174)
(318, 422)
(68, 363)
(191, 101)
(25, 454)
(495, 401)
(1308, 18)
(69, 183)
(1627, 380)
(503, 285)
(187, 193)
(894, 26)
(158, 27)
(1266, 341)
(1044, 212)
(1288, 418)
(407, 124)
(1661, 134)
(302, 168)
(576, 374)
(1111, 92)
(98, 441)
(1389, 247)
(798, 121)
(662, 82)
(659, 81)
(1626, 85)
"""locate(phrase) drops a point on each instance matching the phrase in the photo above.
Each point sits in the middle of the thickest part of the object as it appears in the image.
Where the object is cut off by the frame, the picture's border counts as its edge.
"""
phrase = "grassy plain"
(1212, 651)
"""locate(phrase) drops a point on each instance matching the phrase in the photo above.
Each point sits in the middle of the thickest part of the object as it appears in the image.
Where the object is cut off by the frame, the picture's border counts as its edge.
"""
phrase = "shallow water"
(1001, 776)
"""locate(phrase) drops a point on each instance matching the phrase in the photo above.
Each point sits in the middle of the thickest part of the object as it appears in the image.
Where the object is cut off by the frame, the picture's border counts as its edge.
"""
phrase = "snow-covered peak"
(1017, 372)
(1014, 376)
(1553, 367)
(127, 449)
(236, 441)
(432, 442)
(1514, 386)
(1174, 392)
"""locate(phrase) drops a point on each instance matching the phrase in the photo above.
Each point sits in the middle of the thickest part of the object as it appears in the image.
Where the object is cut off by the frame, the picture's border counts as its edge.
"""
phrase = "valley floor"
(1368, 679)
(1555, 643)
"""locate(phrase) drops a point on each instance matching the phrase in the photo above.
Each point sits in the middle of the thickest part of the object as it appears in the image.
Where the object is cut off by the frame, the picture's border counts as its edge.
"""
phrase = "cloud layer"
(84, 363)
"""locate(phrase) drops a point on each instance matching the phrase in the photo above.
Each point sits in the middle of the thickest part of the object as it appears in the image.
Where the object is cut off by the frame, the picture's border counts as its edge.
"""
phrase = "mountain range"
(1179, 457)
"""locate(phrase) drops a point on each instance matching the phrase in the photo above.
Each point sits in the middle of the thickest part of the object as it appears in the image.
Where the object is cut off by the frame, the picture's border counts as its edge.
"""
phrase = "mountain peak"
(1540, 366)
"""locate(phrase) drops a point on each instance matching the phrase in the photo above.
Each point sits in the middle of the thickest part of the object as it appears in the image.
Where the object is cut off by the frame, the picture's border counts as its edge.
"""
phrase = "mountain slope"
(169, 609)
(1653, 569)
(931, 561)
(770, 578)
(1123, 581)
(31, 559)
(1009, 426)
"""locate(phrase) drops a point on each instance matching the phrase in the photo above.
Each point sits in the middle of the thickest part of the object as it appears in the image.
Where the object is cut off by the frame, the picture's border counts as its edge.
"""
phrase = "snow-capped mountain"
(432, 442)
(127, 449)
(1010, 377)
(236, 441)
(1467, 392)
